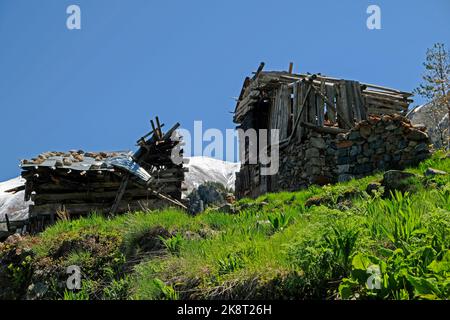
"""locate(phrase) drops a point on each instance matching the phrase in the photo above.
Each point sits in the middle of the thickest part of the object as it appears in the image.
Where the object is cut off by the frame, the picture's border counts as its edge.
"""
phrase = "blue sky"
(96, 88)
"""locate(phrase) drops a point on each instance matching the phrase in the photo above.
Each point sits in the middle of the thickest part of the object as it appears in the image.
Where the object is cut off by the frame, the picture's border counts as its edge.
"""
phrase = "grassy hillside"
(319, 243)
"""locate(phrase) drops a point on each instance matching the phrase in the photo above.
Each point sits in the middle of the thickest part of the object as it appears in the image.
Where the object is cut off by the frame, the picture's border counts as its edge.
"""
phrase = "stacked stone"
(380, 143)
(309, 162)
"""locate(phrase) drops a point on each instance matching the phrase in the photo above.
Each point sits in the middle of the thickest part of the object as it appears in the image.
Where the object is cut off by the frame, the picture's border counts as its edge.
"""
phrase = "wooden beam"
(291, 67)
(331, 130)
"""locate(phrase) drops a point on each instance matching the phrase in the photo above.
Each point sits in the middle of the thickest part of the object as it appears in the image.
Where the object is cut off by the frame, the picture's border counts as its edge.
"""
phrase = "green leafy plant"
(279, 221)
(166, 292)
(173, 244)
(342, 242)
(231, 263)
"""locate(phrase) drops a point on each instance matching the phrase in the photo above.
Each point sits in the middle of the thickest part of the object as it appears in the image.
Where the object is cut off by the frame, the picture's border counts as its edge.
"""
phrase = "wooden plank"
(342, 107)
(284, 111)
(350, 101)
(295, 110)
(321, 105)
(312, 110)
(331, 108)
(304, 107)
(120, 193)
(354, 85)
(359, 103)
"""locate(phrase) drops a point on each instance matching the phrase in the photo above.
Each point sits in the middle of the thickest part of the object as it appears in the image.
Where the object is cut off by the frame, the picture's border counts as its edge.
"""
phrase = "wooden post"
(8, 225)
(291, 67)
(120, 193)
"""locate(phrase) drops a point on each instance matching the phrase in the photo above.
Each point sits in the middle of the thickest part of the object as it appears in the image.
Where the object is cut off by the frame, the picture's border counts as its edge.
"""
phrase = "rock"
(372, 138)
(190, 235)
(321, 180)
(230, 198)
(372, 187)
(421, 147)
(354, 135)
(343, 168)
(396, 179)
(314, 201)
(36, 291)
(417, 135)
(391, 127)
(365, 131)
(318, 143)
(363, 168)
(355, 150)
(344, 144)
(312, 153)
(14, 238)
(227, 208)
(345, 177)
(434, 172)
(343, 160)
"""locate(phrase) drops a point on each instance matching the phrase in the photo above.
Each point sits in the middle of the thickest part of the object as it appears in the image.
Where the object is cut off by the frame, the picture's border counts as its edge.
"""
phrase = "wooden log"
(379, 111)
(87, 196)
(385, 105)
(88, 208)
(325, 129)
(386, 95)
(387, 102)
(403, 93)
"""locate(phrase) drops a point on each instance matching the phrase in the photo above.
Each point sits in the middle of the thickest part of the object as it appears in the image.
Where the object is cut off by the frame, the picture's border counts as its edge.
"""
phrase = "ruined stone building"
(330, 130)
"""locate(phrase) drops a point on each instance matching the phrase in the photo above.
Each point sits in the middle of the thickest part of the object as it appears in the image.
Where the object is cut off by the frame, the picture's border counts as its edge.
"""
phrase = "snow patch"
(12, 204)
(203, 169)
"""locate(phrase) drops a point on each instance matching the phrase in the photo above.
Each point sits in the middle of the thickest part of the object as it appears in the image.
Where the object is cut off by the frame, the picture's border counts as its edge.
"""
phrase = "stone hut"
(330, 130)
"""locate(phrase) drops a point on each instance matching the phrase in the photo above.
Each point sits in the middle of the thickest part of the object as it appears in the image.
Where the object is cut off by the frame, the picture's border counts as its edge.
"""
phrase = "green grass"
(275, 247)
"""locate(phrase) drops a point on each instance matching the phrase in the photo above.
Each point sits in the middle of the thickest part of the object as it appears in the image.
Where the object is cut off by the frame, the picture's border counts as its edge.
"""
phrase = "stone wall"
(376, 144)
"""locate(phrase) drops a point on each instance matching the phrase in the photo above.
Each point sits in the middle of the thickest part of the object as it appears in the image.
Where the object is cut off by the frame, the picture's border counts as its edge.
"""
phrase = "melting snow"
(12, 204)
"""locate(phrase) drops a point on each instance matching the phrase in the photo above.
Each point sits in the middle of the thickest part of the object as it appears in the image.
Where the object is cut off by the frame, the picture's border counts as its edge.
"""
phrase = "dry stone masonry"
(379, 143)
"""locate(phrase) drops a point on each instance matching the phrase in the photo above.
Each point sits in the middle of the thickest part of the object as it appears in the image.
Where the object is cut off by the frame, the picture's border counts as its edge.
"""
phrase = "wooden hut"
(75, 183)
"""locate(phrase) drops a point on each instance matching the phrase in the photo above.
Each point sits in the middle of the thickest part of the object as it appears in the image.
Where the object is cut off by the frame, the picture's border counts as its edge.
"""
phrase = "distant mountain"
(12, 204)
(434, 117)
(201, 169)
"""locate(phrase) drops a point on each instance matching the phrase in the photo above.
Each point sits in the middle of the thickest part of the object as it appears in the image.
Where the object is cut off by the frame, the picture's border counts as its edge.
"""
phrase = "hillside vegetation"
(332, 242)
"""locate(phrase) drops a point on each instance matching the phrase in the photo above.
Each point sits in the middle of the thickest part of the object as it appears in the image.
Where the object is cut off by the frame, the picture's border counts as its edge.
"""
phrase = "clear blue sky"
(97, 88)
